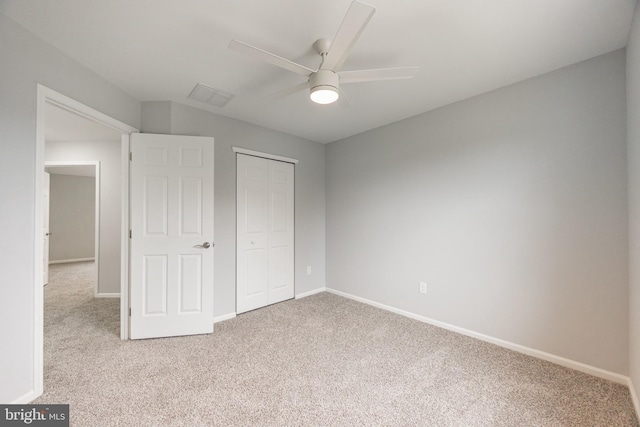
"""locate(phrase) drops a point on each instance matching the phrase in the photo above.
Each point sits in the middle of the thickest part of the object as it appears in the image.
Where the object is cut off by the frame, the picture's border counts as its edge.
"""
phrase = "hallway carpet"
(318, 361)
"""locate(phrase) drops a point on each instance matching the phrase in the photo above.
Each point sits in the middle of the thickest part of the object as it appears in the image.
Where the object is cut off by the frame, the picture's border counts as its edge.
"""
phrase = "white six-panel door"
(172, 235)
(265, 232)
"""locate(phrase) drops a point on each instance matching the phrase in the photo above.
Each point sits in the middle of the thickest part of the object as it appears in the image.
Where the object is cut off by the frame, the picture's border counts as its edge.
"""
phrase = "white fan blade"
(343, 100)
(288, 91)
(269, 57)
(376, 74)
(354, 22)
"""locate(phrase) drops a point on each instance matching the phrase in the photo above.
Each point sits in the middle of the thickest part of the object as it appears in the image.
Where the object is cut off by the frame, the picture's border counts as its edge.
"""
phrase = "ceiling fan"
(324, 82)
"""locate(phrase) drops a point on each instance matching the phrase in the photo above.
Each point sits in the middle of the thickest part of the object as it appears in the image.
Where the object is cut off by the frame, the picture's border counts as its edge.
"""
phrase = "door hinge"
(130, 156)
(130, 234)
(129, 311)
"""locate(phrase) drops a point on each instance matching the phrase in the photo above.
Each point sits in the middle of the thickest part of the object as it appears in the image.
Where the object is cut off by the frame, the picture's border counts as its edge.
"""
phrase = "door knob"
(206, 245)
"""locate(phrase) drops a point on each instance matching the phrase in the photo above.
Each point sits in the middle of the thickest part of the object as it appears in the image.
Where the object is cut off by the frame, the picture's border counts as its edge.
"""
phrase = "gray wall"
(72, 219)
(309, 190)
(26, 61)
(512, 206)
(633, 135)
(108, 154)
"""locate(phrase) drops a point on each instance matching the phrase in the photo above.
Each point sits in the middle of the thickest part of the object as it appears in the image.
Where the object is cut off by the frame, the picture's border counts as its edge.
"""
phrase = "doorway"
(73, 215)
(46, 96)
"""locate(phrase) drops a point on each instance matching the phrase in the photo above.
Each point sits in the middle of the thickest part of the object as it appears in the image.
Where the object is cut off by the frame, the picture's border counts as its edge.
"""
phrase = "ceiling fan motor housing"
(324, 86)
(324, 78)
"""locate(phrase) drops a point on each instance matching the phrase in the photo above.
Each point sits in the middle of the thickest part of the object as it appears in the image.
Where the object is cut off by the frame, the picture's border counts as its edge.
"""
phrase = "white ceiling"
(159, 49)
(63, 125)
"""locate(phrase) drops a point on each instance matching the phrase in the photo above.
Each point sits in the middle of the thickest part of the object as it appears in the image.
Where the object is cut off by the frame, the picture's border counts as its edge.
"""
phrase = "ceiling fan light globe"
(324, 94)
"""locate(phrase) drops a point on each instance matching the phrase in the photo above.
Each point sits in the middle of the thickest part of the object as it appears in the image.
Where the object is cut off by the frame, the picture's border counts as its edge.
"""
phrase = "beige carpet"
(319, 361)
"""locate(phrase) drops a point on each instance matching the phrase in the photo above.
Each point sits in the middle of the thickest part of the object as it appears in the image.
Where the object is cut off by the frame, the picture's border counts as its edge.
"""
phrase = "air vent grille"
(209, 95)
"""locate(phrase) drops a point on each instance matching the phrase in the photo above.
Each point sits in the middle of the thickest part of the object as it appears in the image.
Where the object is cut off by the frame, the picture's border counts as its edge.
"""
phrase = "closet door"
(265, 232)
(251, 228)
(280, 235)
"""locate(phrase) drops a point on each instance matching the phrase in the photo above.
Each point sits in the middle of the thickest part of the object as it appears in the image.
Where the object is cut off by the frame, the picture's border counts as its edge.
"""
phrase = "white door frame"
(264, 155)
(44, 96)
(96, 252)
(46, 227)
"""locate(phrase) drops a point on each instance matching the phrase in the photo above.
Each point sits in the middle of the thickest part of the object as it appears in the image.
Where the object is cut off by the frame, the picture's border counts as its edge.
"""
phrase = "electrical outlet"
(423, 287)
(308, 270)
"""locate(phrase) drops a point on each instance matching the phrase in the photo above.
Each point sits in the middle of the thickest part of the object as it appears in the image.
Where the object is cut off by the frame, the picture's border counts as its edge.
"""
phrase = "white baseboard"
(64, 261)
(108, 295)
(232, 315)
(572, 364)
(25, 398)
(308, 294)
(224, 317)
(634, 398)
